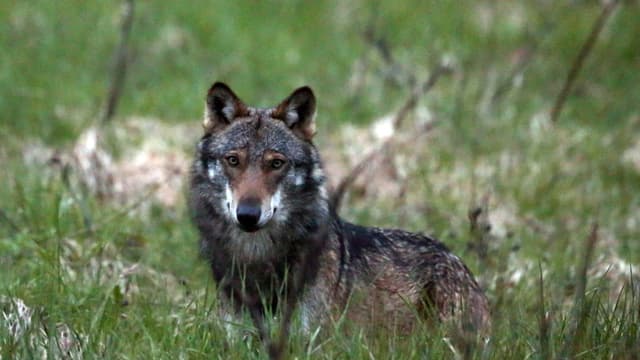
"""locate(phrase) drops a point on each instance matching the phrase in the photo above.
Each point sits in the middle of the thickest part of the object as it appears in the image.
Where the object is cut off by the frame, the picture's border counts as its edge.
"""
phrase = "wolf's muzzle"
(248, 215)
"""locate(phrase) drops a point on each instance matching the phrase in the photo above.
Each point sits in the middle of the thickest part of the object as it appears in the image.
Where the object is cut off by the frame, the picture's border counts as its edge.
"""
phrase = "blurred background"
(448, 102)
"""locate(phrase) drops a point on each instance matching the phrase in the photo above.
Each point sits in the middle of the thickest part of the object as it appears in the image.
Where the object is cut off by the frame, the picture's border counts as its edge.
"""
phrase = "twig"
(418, 92)
(120, 66)
(348, 180)
(524, 59)
(379, 43)
(410, 104)
(480, 227)
(585, 50)
(394, 71)
(523, 55)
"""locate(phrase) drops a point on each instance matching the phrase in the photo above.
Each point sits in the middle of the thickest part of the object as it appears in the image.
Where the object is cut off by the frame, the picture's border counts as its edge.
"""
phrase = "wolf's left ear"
(298, 111)
(221, 108)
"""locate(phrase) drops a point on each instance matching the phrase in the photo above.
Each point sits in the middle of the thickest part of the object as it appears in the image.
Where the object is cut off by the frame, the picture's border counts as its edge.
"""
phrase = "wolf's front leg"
(236, 326)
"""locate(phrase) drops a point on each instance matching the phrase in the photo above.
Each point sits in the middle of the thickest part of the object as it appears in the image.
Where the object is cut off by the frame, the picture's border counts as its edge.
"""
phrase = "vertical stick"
(587, 46)
(120, 66)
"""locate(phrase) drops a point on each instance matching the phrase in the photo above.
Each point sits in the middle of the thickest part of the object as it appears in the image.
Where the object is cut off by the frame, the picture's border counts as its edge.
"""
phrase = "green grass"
(548, 183)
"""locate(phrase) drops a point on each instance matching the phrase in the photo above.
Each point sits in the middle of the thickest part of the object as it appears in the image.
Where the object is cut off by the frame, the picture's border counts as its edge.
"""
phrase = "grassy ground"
(114, 280)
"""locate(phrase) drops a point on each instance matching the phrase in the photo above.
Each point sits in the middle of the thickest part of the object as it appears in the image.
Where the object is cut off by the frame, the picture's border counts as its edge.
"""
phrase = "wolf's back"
(401, 267)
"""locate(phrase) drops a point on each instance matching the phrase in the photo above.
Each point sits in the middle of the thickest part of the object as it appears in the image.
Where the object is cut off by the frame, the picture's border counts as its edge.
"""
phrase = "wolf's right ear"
(221, 107)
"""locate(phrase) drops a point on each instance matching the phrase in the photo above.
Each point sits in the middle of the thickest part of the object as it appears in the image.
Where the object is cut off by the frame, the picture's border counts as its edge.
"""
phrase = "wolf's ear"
(298, 111)
(221, 107)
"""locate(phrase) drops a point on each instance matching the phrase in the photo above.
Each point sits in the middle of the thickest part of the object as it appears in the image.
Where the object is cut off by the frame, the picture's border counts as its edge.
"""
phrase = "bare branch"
(585, 50)
(348, 180)
(120, 66)
(411, 102)
(394, 72)
(524, 57)
(418, 92)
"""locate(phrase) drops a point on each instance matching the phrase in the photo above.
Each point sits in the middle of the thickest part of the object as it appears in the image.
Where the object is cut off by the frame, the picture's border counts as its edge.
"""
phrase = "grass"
(546, 183)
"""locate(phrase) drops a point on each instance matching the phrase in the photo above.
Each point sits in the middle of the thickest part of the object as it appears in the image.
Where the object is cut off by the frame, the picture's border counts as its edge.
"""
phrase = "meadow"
(102, 261)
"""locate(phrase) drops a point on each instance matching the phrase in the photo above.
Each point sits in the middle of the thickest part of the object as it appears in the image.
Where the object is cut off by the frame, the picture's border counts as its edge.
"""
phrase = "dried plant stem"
(479, 228)
(418, 92)
(585, 50)
(527, 54)
(394, 72)
(385, 147)
(120, 66)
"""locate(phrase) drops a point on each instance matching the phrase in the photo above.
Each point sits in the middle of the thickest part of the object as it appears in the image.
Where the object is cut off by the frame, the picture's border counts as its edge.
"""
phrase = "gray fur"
(378, 276)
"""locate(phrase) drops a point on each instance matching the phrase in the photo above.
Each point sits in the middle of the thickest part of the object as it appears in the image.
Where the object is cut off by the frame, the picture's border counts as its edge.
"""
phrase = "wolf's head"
(257, 169)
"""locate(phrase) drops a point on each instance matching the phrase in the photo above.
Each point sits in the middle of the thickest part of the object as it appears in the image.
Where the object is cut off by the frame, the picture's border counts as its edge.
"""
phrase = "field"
(98, 258)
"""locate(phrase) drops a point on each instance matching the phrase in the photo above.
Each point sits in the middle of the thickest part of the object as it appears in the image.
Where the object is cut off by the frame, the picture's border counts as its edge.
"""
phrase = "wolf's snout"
(248, 215)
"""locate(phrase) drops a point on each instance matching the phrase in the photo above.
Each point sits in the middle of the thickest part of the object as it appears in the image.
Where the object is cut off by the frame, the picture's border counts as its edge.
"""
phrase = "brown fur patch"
(254, 180)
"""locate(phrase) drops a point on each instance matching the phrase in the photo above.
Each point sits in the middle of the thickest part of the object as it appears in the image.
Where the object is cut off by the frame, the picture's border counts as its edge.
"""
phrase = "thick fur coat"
(258, 197)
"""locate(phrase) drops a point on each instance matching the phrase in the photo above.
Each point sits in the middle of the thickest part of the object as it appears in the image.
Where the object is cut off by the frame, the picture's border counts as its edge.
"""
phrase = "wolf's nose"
(248, 214)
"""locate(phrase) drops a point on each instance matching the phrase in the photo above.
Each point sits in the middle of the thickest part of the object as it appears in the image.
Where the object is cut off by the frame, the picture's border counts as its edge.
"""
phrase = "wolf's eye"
(233, 160)
(276, 164)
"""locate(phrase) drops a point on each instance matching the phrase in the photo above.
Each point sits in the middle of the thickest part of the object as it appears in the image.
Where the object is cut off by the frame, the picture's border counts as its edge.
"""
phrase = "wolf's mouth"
(249, 228)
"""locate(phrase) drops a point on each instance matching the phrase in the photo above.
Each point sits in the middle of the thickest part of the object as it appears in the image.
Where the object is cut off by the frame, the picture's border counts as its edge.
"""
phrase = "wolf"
(258, 196)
